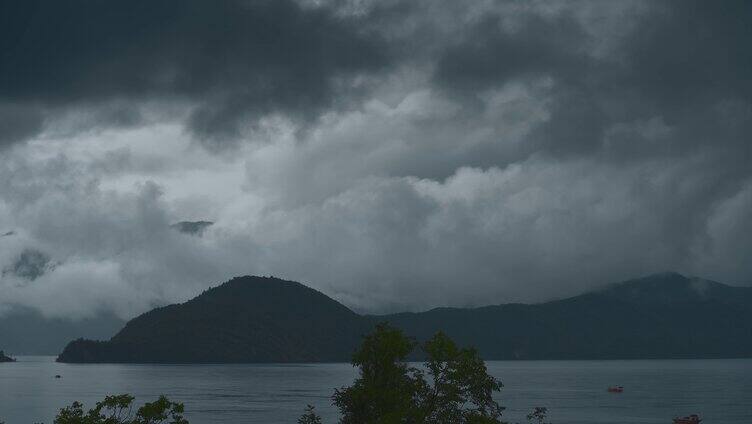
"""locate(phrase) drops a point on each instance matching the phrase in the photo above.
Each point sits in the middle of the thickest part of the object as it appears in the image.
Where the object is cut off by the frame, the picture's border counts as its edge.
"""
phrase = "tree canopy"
(452, 387)
(118, 409)
(309, 417)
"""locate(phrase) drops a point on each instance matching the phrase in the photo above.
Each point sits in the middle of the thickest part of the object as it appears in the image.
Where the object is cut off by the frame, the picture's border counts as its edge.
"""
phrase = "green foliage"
(455, 387)
(386, 390)
(538, 415)
(118, 409)
(309, 417)
(460, 389)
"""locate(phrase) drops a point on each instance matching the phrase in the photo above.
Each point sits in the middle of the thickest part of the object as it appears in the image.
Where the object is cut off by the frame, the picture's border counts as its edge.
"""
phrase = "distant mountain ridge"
(257, 319)
(660, 316)
(24, 331)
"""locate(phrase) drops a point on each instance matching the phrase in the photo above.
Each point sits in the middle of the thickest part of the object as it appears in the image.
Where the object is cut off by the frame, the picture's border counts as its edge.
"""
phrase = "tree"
(309, 417)
(453, 388)
(538, 415)
(460, 390)
(386, 390)
(118, 409)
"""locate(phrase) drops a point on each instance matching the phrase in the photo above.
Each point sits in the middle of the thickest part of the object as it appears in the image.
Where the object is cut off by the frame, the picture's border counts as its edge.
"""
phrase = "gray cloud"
(19, 123)
(231, 61)
(30, 265)
(397, 155)
(680, 62)
(194, 228)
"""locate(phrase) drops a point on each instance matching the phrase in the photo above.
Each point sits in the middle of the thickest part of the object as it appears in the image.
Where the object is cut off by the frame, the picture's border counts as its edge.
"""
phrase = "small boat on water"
(692, 419)
(615, 389)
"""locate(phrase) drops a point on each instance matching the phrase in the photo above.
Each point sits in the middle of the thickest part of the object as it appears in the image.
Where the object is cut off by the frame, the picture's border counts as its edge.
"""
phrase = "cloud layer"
(396, 155)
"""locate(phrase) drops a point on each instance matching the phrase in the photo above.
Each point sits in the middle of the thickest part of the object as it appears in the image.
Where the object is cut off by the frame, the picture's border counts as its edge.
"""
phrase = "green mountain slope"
(253, 319)
(660, 316)
(247, 319)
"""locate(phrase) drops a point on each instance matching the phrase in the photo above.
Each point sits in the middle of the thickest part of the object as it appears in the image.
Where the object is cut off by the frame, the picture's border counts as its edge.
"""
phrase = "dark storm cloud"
(682, 61)
(231, 60)
(19, 123)
(397, 154)
(687, 51)
(487, 54)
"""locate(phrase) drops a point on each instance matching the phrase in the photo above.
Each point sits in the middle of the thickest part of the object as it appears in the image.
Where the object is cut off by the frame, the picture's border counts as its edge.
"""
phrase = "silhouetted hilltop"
(254, 319)
(247, 319)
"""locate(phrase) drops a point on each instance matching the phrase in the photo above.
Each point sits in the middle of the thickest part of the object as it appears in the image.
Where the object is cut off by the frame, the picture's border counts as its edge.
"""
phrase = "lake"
(573, 391)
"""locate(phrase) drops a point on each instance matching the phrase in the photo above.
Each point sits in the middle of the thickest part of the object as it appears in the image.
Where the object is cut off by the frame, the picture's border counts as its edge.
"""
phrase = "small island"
(4, 358)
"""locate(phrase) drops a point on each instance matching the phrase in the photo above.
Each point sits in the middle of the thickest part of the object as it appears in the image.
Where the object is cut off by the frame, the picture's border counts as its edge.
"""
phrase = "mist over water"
(574, 391)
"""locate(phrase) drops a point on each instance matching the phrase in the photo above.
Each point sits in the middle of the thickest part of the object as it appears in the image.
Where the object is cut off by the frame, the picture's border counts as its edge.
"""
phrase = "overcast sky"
(397, 155)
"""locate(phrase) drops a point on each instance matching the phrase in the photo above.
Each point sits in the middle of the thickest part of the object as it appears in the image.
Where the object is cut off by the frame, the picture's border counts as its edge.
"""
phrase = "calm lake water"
(573, 391)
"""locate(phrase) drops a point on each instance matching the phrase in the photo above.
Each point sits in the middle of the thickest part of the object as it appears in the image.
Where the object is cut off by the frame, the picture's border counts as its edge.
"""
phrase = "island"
(4, 358)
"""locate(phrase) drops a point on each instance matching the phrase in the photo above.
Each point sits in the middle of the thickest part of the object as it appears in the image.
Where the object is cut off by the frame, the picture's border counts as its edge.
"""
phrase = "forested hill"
(247, 319)
(255, 319)
(660, 316)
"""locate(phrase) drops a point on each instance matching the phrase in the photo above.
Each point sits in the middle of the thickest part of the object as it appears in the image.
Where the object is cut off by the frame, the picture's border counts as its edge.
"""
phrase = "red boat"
(692, 419)
(616, 389)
